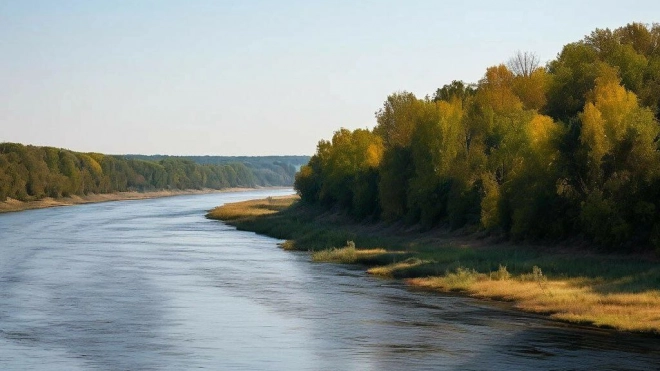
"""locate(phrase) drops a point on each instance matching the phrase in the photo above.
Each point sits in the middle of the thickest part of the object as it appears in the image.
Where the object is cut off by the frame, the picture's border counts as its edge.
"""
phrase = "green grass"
(570, 284)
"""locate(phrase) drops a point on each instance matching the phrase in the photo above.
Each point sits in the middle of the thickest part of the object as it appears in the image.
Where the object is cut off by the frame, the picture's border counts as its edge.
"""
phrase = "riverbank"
(575, 285)
(12, 205)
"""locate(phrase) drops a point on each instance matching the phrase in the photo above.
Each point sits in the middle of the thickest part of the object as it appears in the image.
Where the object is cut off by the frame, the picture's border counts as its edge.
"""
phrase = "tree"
(532, 90)
(573, 75)
(531, 152)
(344, 172)
(531, 194)
(523, 63)
(456, 90)
(619, 137)
(397, 118)
(350, 157)
(437, 141)
(307, 183)
(496, 90)
(395, 170)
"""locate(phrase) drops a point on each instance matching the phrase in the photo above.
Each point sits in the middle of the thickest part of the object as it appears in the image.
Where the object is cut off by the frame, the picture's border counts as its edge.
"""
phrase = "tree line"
(532, 152)
(268, 170)
(31, 172)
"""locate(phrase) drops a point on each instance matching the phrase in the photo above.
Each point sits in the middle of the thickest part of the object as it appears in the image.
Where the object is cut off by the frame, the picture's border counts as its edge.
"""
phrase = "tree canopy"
(567, 149)
(31, 172)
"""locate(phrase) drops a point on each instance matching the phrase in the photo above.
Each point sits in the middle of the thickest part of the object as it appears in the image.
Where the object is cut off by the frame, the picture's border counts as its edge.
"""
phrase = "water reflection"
(152, 285)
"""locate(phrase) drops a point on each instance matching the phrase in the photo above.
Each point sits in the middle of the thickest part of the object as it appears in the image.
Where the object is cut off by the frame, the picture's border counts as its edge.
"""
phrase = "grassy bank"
(569, 284)
(11, 205)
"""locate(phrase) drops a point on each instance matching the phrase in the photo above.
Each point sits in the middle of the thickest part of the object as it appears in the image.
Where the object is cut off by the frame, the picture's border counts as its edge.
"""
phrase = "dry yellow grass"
(388, 270)
(251, 208)
(288, 245)
(346, 255)
(569, 300)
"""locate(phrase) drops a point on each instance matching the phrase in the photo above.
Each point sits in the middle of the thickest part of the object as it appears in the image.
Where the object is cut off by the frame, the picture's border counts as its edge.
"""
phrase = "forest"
(568, 150)
(269, 170)
(31, 173)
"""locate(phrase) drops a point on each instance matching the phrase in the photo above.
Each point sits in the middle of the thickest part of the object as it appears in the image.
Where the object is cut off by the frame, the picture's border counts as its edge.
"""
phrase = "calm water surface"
(153, 285)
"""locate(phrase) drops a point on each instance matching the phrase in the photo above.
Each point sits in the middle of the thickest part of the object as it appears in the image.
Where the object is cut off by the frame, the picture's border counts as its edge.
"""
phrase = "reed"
(346, 255)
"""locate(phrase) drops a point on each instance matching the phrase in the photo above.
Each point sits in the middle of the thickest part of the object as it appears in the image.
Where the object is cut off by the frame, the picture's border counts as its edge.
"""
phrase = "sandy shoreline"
(12, 205)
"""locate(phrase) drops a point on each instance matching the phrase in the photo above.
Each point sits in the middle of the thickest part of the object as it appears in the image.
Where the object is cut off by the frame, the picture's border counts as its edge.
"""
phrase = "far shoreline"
(12, 205)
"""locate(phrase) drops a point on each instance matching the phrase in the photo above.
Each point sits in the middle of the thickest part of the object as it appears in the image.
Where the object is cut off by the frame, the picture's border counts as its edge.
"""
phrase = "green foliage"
(436, 145)
(539, 153)
(265, 170)
(31, 173)
(395, 172)
(456, 90)
(343, 172)
(573, 75)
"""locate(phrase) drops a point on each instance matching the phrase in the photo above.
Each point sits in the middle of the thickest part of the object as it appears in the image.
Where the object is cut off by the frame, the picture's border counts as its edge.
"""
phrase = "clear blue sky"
(254, 77)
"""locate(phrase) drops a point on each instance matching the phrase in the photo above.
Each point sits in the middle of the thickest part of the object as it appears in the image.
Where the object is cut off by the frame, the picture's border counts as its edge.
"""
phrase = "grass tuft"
(345, 255)
(501, 274)
(249, 209)
(391, 270)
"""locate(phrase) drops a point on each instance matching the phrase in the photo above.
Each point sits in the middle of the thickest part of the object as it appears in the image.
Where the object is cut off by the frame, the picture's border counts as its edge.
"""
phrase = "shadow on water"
(568, 348)
(368, 323)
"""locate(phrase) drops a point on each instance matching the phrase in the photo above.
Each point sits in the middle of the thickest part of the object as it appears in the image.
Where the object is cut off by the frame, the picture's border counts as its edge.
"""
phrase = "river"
(153, 285)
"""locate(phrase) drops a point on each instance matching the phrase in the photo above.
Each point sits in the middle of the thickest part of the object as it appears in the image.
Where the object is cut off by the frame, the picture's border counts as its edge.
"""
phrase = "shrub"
(501, 274)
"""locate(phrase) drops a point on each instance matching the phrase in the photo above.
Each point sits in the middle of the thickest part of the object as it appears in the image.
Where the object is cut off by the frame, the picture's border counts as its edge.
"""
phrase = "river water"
(153, 285)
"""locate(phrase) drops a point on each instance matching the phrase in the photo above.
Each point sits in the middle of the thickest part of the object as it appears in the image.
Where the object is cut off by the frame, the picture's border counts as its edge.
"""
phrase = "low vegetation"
(249, 209)
(579, 286)
(346, 255)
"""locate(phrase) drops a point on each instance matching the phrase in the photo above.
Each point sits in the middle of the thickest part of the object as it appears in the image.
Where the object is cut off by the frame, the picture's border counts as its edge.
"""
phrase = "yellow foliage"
(532, 89)
(608, 116)
(398, 118)
(593, 133)
(359, 148)
(453, 132)
(374, 154)
(497, 90)
(91, 164)
(615, 104)
(541, 130)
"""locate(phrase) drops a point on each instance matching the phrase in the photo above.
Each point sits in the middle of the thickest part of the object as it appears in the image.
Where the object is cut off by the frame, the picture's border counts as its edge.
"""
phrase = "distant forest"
(550, 152)
(31, 173)
(268, 170)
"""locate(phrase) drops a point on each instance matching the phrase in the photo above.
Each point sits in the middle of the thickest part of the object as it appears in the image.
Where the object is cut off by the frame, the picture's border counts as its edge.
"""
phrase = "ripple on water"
(153, 285)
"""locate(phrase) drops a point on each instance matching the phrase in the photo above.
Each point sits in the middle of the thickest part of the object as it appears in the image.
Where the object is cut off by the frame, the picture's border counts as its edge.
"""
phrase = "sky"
(254, 77)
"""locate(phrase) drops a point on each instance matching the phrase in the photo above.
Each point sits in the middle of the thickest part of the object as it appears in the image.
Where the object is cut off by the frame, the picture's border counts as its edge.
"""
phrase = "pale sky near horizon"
(254, 77)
